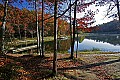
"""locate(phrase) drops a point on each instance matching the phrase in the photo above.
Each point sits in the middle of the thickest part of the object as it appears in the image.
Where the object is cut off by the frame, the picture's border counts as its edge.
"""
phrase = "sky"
(100, 15)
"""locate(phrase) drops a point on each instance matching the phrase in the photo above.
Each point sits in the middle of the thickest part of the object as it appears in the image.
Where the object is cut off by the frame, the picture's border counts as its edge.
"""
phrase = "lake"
(103, 42)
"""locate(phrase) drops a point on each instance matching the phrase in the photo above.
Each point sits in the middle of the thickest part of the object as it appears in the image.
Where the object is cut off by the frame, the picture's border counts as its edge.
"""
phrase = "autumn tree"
(2, 29)
(80, 6)
(84, 23)
(52, 20)
(74, 22)
(63, 27)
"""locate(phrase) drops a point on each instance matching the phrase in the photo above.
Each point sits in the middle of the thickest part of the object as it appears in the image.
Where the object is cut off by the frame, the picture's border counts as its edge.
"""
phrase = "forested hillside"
(110, 27)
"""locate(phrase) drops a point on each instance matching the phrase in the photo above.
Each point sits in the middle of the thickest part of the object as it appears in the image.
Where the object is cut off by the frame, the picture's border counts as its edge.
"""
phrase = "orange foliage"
(86, 21)
(0, 23)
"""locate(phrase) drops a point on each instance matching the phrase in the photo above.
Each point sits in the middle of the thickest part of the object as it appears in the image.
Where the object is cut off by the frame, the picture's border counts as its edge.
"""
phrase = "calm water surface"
(104, 42)
(107, 43)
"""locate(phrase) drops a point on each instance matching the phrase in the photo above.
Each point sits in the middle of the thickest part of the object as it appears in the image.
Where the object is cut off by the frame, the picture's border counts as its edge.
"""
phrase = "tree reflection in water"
(100, 42)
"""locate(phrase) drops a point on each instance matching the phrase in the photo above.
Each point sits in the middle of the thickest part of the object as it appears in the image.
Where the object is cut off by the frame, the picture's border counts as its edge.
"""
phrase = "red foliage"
(0, 23)
(86, 21)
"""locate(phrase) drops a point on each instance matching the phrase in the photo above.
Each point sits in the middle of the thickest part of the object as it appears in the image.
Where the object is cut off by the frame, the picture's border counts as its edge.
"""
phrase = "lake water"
(103, 42)
(106, 43)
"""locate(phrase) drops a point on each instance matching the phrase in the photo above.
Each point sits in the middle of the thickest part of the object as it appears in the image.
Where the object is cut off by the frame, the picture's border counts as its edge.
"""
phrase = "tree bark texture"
(70, 27)
(74, 22)
(55, 37)
(2, 31)
(38, 30)
(42, 28)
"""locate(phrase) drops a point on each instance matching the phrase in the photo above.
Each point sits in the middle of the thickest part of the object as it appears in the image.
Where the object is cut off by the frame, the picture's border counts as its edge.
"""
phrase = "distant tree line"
(110, 27)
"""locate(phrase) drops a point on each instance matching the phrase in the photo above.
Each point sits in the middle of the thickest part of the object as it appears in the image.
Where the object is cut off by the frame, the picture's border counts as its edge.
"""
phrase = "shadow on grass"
(25, 67)
(90, 65)
(36, 67)
(85, 67)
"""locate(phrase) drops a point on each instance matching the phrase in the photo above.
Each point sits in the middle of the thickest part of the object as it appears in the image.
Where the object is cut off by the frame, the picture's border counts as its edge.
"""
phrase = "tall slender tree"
(2, 46)
(70, 25)
(42, 27)
(74, 22)
(38, 30)
(55, 37)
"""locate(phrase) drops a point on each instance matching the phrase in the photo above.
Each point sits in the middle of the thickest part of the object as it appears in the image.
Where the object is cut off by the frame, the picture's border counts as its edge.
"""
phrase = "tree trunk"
(38, 30)
(55, 38)
(70, 27)
(20, 37)
(77, 41)
(10, 34)
(32, 37)
(42, 28)
(2, 31)
(118, 9)
(74, 22)
(19, 32)
(25, 37)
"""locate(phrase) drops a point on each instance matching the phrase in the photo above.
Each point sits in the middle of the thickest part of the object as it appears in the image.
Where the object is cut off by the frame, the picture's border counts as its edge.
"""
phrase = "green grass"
(48, 39)
(16, 43)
